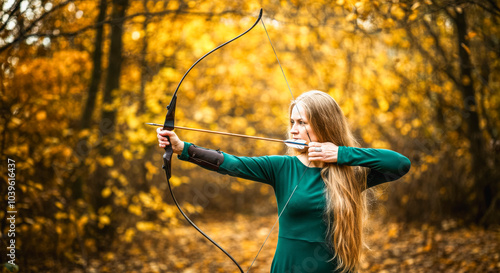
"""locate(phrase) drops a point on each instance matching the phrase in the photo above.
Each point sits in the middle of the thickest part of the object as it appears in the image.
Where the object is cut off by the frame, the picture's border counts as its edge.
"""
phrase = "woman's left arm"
(385, 165)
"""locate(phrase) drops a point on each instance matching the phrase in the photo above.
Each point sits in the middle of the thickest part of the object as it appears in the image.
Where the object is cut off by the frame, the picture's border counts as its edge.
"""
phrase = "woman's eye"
(300, 122)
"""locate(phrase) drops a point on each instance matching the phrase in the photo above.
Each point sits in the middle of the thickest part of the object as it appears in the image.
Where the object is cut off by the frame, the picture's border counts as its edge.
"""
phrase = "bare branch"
(14, 8)
(433, 61)
(435, 37)
(22, 37)
(496, 9)
(96, 25)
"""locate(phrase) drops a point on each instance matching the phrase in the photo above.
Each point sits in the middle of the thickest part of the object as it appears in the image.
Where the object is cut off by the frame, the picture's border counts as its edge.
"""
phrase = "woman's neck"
(312, 164)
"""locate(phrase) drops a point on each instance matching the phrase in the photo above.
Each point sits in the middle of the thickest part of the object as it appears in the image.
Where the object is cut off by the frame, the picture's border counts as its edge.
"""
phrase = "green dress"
(302, 232)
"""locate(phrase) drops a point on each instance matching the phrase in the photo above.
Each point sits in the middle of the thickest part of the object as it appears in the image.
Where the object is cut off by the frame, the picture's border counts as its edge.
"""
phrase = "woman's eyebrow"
(298, 119)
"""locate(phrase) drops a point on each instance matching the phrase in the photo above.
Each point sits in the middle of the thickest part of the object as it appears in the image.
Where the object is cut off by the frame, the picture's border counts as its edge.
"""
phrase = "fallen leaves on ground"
(394, 247)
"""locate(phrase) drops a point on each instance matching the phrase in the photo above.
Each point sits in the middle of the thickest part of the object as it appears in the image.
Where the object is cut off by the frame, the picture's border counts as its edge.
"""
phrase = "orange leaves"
(175, 181)
(377, 58)
(106, 192)
(135, 209)
(351, 17)
(129, 235)
(394, 247)
(103, 221)
(407, 248)
(106, 161)
(397, 12)
(145, 226)
(152, 170)
(41, 116)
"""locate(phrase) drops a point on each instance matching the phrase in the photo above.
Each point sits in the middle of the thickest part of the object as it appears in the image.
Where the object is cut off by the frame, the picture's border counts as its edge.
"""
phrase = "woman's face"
(300, 126)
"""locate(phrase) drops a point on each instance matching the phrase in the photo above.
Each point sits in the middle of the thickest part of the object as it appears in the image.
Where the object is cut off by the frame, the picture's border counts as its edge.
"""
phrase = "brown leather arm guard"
(206, 158)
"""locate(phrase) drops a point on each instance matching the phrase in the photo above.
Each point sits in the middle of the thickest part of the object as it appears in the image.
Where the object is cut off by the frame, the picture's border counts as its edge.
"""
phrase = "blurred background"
(80, 78)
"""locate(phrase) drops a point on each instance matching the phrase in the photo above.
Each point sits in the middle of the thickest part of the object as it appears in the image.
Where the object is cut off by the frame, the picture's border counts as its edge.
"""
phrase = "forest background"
(80, 78)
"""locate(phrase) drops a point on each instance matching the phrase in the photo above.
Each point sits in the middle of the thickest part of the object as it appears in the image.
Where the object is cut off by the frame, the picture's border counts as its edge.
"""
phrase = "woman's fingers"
(316, 156)
(162, 137)
(314, 147)
(315, 151)
(166, 137)
(162, 132)
(326, 152)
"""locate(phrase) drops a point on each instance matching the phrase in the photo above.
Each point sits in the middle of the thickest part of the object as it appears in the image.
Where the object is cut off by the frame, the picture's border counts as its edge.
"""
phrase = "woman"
(321, 227)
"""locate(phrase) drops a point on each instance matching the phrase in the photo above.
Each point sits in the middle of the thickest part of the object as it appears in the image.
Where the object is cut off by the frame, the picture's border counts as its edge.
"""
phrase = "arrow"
(293, 143)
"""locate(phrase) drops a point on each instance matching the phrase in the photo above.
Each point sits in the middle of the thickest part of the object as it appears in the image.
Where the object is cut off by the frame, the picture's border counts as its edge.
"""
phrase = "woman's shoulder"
(280, 157)
(275, 160)
(282, 162)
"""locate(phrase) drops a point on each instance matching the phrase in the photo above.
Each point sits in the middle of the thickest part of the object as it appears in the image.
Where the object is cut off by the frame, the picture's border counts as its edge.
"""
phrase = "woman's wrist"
(178, 148)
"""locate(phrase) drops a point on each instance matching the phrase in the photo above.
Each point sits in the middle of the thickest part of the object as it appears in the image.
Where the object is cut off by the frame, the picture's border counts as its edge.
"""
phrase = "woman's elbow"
(404, 165)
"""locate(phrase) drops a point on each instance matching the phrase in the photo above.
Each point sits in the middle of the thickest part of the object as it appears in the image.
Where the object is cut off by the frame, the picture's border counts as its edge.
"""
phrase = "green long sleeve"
(385, 165)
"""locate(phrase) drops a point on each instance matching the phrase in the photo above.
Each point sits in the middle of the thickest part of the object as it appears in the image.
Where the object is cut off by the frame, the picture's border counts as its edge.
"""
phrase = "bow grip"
(167, 159)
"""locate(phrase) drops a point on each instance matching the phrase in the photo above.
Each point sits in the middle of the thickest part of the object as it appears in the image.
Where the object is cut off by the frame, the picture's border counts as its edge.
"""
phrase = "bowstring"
(284, 76)
(303, 173)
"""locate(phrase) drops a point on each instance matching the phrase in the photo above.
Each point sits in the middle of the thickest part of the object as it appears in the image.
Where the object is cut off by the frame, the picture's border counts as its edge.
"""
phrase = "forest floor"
(393, 248)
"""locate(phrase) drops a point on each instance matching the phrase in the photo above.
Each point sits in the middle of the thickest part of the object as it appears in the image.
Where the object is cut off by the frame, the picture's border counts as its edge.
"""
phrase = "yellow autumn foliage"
(393, 66)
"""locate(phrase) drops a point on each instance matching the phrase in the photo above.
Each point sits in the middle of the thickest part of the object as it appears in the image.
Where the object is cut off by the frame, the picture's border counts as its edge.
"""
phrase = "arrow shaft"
(219, 133)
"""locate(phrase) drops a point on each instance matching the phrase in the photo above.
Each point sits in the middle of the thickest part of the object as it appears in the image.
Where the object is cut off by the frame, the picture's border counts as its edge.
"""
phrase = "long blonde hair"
(345, 201)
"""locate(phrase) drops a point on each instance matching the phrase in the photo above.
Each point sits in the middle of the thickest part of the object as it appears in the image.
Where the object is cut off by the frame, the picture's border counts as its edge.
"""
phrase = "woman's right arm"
(206, 158)
(177, 144)
(261, 169)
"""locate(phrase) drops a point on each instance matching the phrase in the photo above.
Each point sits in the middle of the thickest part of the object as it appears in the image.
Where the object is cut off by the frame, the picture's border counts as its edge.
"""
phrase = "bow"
(169, 124)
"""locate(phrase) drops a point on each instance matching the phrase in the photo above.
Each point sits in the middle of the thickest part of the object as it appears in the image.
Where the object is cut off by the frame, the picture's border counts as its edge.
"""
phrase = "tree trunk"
(99, 180)
(77, 185)
(480, 170)
(115, 60)
(97, 69)
(144, 62)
